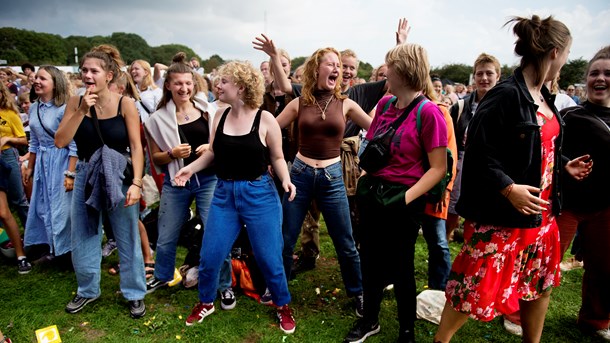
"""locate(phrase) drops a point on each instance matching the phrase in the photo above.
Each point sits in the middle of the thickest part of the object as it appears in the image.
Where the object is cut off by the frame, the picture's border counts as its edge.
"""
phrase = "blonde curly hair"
(244, 74)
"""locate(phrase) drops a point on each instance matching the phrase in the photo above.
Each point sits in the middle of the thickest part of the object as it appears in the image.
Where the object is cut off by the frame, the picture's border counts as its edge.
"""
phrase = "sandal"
(149, 268)
(114, 270)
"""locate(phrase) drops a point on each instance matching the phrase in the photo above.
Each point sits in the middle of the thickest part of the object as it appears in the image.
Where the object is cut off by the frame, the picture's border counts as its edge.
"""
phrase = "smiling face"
(328, 71)
(181, 86)
(437, 85)
(228, 91)
(598, 82)
(350, 70)
(94, 76)
(382, 73)
(137, 72)
(43, 85)
(485, 78)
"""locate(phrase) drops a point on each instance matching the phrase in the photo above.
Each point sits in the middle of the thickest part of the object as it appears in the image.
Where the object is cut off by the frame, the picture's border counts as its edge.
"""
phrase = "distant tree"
(454, 72)
(573, 72)
(296, 62)
(81, 43)
(365, 70)
(131, 46)
(507, 71)
(164, 53)
(18, 46)
(212, 63)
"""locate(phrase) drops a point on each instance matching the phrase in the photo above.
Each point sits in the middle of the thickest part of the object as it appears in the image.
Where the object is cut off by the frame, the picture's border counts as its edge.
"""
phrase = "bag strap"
(51, 133)
(96, 123)
(418, 119)
(406, 112)
(601, 121)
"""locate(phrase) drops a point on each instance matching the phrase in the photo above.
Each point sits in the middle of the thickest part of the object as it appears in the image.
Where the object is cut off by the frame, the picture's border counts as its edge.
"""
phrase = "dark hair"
(27, 65)
(435, 77)
(178, 66)
(537, 38)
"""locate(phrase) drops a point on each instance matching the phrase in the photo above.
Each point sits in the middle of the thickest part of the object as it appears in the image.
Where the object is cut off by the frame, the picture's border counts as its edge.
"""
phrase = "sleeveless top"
(114, 132)
(194, 133)
(240, 157)
(319, 138)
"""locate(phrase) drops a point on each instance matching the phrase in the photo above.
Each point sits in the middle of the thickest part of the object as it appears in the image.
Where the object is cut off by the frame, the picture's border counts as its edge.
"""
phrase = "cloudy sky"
(452, 31)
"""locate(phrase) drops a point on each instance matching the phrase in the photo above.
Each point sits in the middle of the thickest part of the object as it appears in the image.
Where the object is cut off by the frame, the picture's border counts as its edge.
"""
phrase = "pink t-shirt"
(406, 166)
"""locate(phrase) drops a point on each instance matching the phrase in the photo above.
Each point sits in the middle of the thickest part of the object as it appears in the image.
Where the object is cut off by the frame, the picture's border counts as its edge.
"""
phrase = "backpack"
(437, 192)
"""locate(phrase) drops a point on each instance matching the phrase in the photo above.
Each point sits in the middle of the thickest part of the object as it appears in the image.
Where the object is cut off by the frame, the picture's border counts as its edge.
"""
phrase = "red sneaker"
(199, 312)
(287, 323)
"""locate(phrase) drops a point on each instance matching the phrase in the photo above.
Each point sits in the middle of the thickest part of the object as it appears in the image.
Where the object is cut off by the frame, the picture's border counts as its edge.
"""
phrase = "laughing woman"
(102, 144)
(51, 169)
(321, 113)
(244, 141)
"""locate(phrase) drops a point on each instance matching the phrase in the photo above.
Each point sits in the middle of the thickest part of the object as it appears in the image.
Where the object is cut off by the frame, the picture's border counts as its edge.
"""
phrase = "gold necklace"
(325, 107)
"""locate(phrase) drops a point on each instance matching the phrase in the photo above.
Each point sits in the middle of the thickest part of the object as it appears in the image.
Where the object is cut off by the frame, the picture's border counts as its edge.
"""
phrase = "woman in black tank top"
(244, 141)
(120, 134)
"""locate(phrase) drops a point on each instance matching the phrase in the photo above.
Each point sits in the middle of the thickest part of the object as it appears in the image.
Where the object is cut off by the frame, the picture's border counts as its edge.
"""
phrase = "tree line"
(18, 46)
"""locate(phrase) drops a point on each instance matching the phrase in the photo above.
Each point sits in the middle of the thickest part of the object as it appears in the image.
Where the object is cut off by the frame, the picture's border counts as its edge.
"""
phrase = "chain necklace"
(325, 107)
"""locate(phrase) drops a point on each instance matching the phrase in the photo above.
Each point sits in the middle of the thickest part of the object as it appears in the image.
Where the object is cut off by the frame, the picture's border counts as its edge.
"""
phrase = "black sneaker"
(137, 309)
(359, 305)
(78, 303)
(361, 331)
(109, 248)
(153, 284)
(303, 264)
(227, 299)
(23, 266)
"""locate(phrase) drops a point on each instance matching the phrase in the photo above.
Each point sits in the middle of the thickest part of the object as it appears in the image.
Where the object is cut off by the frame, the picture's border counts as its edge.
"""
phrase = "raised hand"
(265, 44)
(403, 31)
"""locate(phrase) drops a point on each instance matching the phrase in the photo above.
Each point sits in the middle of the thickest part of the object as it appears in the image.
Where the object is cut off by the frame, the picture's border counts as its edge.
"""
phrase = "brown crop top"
(319, 138)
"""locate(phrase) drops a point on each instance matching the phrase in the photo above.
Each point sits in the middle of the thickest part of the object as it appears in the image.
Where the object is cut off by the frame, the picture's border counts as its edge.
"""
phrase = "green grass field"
(36, 300)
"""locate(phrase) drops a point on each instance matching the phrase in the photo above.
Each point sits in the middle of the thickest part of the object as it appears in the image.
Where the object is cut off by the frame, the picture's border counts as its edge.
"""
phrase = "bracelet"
(139, 186)
(137, 182)
(70, 174)
(169, 153)
(509, 189)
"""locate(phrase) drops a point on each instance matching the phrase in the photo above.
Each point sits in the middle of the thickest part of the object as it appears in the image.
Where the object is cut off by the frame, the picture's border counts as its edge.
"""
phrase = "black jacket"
(585, 134)
(503, 147)
(464, 119)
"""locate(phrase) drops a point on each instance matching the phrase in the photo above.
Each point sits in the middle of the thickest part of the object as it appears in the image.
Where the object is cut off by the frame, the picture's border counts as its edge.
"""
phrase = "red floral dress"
(497, 266)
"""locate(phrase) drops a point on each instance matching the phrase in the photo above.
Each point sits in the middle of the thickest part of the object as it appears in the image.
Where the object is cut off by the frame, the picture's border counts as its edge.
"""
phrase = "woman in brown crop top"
(321, 113)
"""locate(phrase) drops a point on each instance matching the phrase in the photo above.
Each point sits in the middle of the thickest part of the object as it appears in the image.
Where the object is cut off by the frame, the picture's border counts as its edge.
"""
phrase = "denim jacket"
(504, 147)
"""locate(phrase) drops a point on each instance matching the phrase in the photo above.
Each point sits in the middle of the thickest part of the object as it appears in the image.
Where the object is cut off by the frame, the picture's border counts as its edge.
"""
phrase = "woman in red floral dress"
(510, 192)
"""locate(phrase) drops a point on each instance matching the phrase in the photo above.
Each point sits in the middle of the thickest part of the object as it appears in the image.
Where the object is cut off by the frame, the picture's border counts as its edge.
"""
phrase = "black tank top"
(114, 132)
(240, 157)
(195, 134)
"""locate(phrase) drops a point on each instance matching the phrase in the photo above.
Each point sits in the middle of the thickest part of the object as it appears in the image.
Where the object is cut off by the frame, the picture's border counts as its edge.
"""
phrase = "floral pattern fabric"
(498, 266)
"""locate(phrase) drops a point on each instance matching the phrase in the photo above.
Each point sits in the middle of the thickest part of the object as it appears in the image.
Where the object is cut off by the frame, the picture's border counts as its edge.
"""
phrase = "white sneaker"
(513, 328)
(604, 334)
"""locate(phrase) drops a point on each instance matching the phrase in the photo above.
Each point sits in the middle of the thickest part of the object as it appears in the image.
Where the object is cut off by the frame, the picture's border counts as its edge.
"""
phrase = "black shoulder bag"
(128, 172)
(377, 153)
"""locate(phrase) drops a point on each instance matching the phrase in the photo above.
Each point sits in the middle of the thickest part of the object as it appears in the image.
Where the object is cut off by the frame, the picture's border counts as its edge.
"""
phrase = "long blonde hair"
(147, 81)
(7, 99)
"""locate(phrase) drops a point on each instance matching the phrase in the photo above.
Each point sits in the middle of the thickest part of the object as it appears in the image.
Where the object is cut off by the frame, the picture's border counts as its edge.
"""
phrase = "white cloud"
(451, 31)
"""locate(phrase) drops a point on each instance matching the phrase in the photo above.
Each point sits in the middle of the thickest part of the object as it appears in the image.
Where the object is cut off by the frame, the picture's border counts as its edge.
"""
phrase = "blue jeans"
(439, 258)
(15, 193)
(174, 212)
(256, 205)
(87, 248)
(326, 187)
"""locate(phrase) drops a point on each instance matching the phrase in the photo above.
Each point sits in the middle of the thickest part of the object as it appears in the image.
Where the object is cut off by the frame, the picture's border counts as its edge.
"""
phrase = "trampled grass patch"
(322, 310)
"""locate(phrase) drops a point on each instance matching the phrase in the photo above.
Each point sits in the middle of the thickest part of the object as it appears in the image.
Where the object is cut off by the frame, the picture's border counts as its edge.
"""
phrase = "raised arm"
(357, 114)
(403, 31)
(266, 45)
(73, 116)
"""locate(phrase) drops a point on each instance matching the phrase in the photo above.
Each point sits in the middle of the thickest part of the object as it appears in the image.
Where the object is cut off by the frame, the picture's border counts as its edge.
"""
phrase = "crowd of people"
(269, 151)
